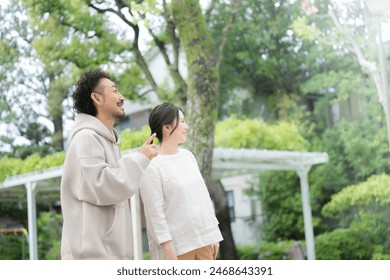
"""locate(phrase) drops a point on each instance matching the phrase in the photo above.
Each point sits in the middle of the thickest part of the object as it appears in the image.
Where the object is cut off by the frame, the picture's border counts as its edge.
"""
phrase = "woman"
(180, 217)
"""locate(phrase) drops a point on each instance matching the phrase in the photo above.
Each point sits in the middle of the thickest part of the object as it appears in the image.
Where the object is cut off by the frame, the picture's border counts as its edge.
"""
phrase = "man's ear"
(96, 97)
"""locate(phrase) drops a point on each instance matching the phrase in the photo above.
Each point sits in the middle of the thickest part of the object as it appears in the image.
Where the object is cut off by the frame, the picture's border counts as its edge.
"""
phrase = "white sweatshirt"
(177, 205)
(96, 185)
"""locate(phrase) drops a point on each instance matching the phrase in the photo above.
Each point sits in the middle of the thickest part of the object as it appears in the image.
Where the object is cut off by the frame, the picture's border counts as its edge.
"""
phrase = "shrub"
(13, 247)
(255, 134)
(264, 251)
(49, 235)
(132, 139)
(344, 244)
(363, 210)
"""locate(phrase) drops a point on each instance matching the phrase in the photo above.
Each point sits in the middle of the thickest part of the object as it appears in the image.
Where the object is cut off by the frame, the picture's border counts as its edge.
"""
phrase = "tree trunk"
(227, 249)
(202, 101)
(57, 94)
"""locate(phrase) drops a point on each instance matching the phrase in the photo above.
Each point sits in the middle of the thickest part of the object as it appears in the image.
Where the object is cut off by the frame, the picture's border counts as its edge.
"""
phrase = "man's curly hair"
(88, 82)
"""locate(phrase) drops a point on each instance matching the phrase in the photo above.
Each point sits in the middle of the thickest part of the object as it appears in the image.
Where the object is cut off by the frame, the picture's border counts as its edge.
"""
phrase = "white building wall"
(247, 209)
(159, 69)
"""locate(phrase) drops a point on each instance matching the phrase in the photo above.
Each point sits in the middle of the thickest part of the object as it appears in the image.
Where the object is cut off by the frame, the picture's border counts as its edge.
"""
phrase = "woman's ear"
(167, 129)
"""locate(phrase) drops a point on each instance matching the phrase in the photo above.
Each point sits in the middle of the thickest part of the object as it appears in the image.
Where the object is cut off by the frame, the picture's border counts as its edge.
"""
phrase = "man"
(97, 181)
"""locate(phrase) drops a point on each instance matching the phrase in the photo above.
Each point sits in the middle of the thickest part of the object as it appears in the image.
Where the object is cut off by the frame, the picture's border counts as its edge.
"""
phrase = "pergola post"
(307, 218)
(32, 220)
(135, 208)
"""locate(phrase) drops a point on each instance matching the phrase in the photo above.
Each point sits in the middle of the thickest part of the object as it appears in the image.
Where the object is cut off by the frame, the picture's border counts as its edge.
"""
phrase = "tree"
(202, 99)
(64, 53)
(18, 80)
(164, 38)
(362, 212)
(264, 63)
(355, 35)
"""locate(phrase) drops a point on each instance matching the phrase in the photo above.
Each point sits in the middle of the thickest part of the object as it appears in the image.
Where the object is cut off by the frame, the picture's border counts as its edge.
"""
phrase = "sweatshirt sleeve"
(105, 184)
(151, 191)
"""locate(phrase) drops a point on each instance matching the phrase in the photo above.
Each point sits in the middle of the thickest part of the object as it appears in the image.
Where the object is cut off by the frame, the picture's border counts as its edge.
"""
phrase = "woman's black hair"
(165, 113)
(82, 101)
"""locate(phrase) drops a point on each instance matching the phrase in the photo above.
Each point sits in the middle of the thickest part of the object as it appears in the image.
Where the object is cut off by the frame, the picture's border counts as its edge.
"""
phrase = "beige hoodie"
(95, 189)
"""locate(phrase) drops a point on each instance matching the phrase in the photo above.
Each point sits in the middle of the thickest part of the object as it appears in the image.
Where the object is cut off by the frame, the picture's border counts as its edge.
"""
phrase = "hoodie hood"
(85, 121)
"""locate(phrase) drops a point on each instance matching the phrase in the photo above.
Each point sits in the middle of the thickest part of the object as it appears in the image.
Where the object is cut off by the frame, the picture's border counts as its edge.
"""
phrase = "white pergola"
(226, 162)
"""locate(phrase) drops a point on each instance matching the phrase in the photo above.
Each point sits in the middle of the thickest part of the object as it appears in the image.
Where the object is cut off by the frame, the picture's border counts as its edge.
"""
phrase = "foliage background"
(298, 66)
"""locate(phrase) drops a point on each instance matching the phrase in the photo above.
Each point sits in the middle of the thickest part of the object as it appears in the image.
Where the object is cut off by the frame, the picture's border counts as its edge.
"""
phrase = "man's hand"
(148, 148)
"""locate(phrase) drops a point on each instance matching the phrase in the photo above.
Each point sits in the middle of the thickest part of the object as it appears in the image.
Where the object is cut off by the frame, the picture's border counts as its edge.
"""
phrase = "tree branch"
(172, 35)
(159, 43)
(180, 84)
(355, 47)
(369, 65)
(99, 10)
(110, 10)
(140, 60)
(225, 32)
(209, 9)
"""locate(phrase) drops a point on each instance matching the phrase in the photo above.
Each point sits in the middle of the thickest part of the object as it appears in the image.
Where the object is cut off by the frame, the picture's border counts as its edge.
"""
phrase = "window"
(230, 205)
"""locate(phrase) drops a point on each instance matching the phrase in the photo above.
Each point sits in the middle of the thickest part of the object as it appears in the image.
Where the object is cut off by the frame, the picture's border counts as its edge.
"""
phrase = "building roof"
(135, 107)
(243, 161)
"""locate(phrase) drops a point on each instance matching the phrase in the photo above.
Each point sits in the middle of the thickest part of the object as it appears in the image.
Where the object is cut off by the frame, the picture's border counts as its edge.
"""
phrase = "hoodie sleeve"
(103, 184)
